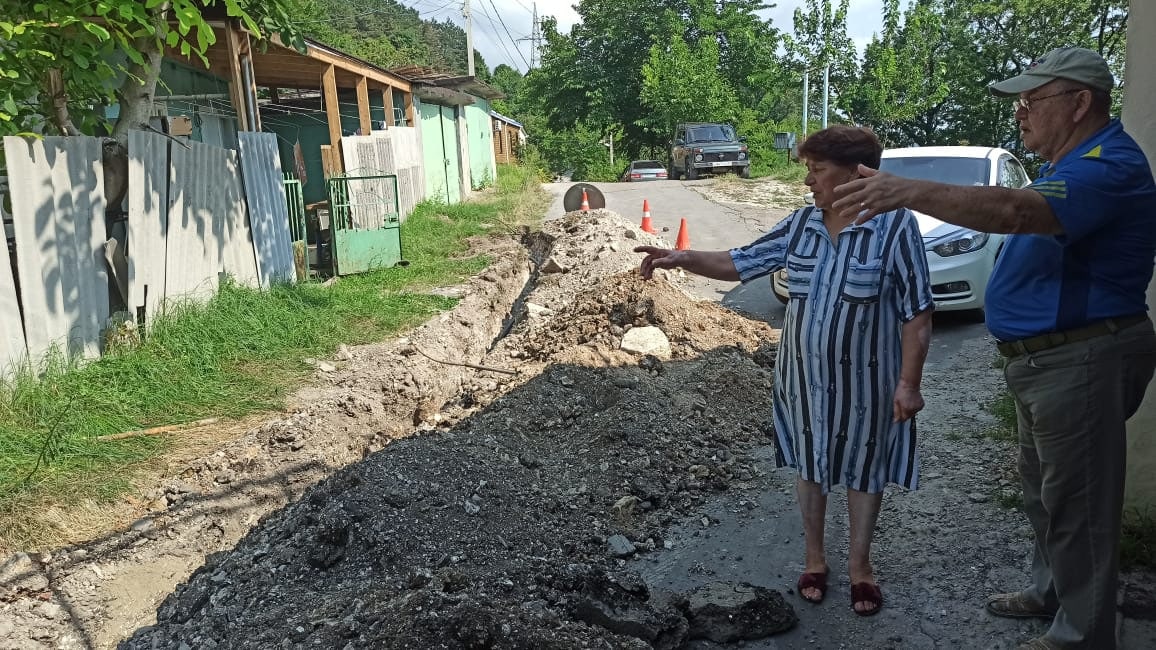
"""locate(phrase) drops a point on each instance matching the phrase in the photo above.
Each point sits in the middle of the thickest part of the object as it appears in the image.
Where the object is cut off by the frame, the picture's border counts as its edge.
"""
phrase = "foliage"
(388, 34)
(101, 50)
(921, 81)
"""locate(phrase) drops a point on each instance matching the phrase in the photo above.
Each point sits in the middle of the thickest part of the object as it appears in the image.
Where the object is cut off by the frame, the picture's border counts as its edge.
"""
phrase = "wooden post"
(387, 101)
(236, 82)
(333, 115)
(409, 116)
(363, 106)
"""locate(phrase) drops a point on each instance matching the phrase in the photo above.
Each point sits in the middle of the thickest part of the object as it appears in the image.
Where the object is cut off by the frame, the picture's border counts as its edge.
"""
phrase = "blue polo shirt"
(1103, 194)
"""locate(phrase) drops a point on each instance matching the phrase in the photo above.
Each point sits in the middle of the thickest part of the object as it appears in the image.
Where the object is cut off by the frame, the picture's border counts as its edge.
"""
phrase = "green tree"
(63, 58)
(681, 83)
(820, 43)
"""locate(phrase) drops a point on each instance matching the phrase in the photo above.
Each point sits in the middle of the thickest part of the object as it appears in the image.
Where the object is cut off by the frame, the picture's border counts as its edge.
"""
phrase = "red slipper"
(866, 592)
(813, 581)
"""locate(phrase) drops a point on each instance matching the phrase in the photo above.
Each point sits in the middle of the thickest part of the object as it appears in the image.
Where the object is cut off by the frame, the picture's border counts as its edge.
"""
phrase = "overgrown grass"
(240, 353)
(1138, 540)
(1004, 409)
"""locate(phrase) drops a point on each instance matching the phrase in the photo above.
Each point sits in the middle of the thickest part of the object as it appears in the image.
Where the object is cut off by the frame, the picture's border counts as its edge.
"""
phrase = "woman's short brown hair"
(847, 146)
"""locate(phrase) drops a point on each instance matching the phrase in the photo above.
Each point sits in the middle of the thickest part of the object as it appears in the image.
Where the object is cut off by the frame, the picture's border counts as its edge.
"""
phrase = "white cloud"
(499, 24)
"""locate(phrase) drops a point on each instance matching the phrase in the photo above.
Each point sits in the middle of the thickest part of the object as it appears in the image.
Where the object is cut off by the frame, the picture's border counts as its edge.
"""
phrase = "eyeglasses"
(1026, 102)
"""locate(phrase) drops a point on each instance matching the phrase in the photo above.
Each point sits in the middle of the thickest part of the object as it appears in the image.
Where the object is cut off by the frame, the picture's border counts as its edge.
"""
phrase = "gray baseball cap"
(1073, 63)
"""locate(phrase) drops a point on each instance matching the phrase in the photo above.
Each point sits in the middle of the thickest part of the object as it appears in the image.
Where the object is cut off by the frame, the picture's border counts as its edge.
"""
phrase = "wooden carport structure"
(237, 57)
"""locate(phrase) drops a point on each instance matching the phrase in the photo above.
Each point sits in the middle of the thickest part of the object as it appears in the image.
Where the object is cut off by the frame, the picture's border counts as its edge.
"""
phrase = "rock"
(472, 508)
(343, 353)
(326, 367)
(623, 610)
(142, 525)
(552, 265)
(977, 497)
(536, 311)
(726, 612)
(625, 506)
(646, 341)
(20, 573)
(620, 546)
(49, 610)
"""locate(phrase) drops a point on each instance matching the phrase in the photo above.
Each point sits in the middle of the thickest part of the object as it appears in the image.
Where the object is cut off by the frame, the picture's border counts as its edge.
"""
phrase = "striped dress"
(840, 352)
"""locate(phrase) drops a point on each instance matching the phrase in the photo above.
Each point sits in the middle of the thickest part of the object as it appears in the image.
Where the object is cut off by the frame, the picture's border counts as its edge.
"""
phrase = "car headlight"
(742, 155)
(698, 157)
(959, 242)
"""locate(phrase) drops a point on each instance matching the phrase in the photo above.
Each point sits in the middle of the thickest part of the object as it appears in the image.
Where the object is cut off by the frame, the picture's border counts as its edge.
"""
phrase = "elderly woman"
(855, 336)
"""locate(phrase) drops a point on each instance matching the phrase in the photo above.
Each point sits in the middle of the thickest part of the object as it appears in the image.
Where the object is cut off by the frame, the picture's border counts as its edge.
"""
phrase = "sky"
(499, 24)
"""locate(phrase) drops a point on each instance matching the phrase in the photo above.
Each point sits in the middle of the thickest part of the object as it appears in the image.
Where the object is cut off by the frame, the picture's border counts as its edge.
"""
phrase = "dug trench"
(572, 457)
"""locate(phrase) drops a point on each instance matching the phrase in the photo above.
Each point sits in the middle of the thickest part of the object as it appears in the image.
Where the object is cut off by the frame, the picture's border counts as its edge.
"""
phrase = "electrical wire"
(512, 41)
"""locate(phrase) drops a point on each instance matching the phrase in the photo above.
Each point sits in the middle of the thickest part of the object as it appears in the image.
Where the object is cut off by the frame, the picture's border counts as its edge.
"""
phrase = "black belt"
(1043, 342)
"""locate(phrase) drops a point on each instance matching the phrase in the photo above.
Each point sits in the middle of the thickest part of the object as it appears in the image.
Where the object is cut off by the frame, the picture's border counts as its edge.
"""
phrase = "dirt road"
(521, 472)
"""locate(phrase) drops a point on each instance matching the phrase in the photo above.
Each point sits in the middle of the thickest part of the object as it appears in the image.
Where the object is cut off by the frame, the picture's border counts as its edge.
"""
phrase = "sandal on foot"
(866, 592)
(1017, 605)
(813, 581)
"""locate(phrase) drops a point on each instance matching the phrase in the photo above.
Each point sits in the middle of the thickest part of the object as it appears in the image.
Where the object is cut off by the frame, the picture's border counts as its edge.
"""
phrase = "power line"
(507, 30)
(501, 43)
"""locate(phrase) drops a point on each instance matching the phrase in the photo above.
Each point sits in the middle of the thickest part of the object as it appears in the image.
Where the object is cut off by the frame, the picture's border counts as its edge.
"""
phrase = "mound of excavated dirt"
(482, 480)
(508, 527)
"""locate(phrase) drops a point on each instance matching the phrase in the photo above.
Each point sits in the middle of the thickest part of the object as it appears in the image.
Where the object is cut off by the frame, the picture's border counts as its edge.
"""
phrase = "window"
(956, 171)
(1011, 173)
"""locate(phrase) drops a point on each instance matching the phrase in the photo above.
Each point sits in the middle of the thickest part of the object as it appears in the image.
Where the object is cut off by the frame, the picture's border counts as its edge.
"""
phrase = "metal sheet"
(192, 247)
(238, 259)
(13, 350)
(268, 213)
(148, 220)
(58, 211)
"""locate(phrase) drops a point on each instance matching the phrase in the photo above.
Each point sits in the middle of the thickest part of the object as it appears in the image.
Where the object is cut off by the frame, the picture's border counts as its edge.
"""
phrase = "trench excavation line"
(463, 365)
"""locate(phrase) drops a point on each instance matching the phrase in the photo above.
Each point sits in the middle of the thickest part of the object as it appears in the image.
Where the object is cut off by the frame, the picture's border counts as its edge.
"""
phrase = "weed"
(1010, 499)
(1003, 407)
(1138, 540)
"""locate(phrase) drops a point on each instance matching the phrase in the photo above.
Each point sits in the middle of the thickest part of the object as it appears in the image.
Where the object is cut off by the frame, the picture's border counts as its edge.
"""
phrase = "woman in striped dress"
(855, 336)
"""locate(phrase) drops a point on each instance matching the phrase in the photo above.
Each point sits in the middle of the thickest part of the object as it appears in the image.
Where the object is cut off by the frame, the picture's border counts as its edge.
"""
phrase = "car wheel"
(745, 171)
(674, 175)
(691, 172)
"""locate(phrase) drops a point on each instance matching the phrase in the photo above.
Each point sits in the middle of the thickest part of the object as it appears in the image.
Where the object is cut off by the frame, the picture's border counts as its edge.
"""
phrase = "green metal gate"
(365, 226)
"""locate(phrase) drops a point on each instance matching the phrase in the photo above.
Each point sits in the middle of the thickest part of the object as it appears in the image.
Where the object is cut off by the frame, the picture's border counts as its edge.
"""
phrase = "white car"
(960, 259)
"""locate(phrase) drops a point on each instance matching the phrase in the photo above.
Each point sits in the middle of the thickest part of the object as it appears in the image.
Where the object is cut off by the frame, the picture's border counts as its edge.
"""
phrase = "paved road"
(718, 226)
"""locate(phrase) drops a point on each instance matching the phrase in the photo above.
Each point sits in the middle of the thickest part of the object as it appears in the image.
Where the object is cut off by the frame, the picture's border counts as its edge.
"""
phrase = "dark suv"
(707, 147)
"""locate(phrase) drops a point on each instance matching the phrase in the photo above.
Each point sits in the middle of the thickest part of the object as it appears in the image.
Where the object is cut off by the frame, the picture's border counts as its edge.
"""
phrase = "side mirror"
(679, 142)
(743, 139)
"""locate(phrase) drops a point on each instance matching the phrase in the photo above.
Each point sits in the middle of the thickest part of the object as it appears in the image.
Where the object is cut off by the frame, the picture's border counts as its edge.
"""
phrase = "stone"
(620, 546)
(326, 367)
(537, 311)
(977, 497)
(21, 573)
(725, 612)
(648, 340)
(552, 265)
(624, 610)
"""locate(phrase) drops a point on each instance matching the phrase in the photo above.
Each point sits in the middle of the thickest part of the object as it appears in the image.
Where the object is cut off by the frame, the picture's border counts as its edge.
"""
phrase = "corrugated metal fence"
(57, 192)
(394, 151)
(189, 224)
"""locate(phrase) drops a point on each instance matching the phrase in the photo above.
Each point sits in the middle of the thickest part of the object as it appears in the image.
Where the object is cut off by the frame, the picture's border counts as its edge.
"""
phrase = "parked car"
(644, 170)
(707, 147)
(960, 259)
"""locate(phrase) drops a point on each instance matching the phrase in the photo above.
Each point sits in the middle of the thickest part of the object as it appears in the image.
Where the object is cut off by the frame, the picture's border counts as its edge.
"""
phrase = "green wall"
(309, 126)
(481, 135)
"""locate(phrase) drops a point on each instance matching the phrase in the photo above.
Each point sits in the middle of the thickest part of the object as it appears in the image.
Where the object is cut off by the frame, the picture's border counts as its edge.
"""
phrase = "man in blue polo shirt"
(1067, 304)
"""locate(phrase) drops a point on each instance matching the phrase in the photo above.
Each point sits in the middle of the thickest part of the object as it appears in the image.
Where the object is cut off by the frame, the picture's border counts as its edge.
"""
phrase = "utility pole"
(806, 97)
(535, 39)
(826, 61)
(469, 37)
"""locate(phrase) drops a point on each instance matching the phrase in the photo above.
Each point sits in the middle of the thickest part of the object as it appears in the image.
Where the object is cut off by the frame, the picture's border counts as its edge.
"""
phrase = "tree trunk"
(136, 104)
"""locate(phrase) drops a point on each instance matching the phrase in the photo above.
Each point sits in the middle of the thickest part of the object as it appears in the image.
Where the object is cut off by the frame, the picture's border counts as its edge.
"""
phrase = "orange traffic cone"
(683, 241)
(585, 201)
(647, 226)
